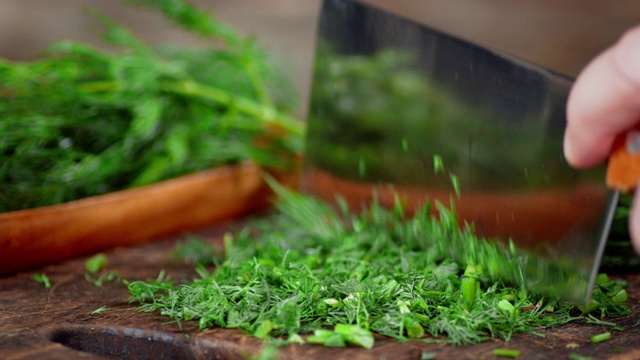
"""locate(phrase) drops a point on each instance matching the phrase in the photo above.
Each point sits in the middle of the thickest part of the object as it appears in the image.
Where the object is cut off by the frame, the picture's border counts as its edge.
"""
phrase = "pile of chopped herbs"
(312, 268)
(81, 121)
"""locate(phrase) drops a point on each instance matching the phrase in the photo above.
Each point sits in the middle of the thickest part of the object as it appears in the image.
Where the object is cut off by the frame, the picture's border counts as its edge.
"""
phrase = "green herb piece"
(602, 279)
(268, 352)
(573, 346)
(192, 19)
(42, 278)
(95, 264)
(506, 307)
(601, 337)
(264, 329)
(310, 268)
(438, 164)
(99, 310)
(510, 353)
(332, 302)
(413, 328)
(108, 277)
(342, 335)
(574, 356)
(326, 338)
(405, 145)
(594, 320)
(620, 296)
(468, 289)
(456, 184)
(591, 306)
(427, 356)
(355, 335)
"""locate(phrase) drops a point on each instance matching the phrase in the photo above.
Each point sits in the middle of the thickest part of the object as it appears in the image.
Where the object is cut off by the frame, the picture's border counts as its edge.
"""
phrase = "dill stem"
(257, 81)
(468, 288)
(601, 337)
(242, 104)
(506, 353)
(264, 112)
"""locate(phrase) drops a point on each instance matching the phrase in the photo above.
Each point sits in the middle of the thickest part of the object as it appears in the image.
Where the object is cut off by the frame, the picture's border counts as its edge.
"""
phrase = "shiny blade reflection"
(389, 95)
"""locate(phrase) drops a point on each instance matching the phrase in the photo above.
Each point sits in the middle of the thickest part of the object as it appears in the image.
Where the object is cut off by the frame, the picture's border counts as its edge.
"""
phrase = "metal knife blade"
(390, 95)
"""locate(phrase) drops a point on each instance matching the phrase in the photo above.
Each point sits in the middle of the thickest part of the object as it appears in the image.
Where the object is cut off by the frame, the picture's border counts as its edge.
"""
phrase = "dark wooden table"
(57, 322)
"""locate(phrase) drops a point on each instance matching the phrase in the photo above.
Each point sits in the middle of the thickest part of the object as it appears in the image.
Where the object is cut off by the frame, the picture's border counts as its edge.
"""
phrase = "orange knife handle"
(623, 169)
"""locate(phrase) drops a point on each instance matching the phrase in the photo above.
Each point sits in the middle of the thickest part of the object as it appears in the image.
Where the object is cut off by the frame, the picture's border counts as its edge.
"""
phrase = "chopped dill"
(94, 266)
(99, 310)
(310, 268)
(95, 263)
(105, 278)
(601, 337)
(438, 164)
(42, 278)
(574, 356)
(456, 184)
(510, 353)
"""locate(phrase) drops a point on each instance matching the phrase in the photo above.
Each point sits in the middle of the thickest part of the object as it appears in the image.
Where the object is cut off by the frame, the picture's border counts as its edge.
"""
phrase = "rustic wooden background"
(560, 34)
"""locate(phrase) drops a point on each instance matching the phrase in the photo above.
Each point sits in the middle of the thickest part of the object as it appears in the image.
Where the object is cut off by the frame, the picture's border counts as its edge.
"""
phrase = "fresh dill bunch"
(81, 121)
(311, 267)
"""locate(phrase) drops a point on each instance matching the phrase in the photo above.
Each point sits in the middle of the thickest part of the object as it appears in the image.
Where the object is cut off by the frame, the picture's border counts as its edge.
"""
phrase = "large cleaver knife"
(393, 103)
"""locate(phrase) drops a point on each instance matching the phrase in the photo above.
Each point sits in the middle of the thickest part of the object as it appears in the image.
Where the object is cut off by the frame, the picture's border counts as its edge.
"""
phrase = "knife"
(394, 101)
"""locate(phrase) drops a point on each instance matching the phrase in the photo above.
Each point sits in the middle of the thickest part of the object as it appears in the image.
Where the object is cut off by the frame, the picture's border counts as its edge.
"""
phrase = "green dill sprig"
(94, 274)
(310, 268)
(99, 310)
(81, 121)
(192, 19)
(94, 264)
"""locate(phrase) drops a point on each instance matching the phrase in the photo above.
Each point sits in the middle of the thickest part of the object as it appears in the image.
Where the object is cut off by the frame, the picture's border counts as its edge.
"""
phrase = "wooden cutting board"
(56, 323)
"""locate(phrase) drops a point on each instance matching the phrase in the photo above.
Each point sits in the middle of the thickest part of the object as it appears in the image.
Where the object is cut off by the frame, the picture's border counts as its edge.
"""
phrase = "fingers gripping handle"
(623, 170)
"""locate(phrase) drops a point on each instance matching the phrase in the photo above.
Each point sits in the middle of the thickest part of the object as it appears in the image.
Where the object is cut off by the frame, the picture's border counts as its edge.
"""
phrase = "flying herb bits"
(310, 269)
(94, 264)
(81, 121)
(42, 278)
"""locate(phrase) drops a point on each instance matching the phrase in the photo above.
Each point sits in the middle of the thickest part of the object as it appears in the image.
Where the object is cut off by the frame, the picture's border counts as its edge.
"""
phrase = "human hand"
(604, 103)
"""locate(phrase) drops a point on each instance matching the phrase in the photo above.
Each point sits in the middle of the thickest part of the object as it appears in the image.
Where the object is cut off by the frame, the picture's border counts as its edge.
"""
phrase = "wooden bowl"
(45, 235)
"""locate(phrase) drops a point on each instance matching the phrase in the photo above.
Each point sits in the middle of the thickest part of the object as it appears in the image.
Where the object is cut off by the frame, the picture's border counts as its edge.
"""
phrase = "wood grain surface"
(56, 323)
